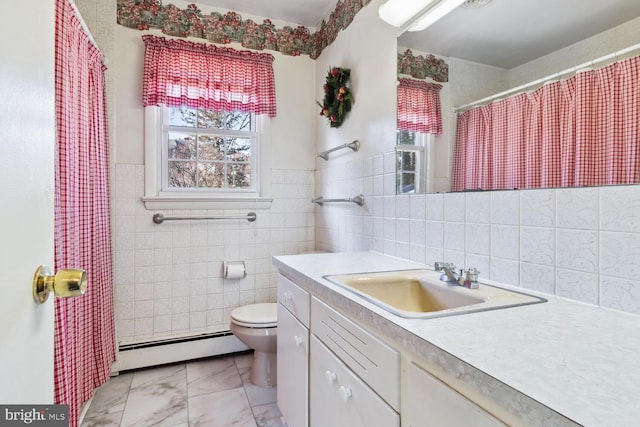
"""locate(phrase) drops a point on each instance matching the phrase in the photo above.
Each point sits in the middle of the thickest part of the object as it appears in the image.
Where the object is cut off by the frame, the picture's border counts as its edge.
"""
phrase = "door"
(27, 138)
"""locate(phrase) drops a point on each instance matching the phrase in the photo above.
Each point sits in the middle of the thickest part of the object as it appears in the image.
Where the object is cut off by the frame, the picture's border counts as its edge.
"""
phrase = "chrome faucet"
(451, 274)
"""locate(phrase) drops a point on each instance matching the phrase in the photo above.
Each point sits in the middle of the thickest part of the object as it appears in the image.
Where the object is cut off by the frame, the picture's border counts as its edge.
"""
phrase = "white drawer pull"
(287, 296)
(330, 376)
(345, 393)
(298, 340)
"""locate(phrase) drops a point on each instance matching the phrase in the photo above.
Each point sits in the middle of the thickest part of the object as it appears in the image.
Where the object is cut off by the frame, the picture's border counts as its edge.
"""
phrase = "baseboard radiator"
(178, 349)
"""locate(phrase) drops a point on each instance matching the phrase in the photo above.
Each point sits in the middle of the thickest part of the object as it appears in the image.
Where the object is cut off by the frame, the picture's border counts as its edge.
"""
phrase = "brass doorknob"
(66, 283)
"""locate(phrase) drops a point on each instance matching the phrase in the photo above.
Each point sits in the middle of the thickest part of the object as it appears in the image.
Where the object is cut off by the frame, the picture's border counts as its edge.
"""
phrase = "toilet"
(256, 326)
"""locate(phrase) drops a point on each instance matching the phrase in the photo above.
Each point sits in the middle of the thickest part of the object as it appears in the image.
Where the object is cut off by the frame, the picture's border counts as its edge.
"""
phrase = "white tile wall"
(582, 244)
(168, 277)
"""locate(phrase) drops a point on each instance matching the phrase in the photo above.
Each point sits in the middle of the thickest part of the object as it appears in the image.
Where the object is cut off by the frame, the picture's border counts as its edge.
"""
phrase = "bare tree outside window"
(209, 149)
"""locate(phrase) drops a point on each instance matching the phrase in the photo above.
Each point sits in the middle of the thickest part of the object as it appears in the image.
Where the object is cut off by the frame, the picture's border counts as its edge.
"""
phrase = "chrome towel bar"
(355, 146)
(159, 218)
(358, 200)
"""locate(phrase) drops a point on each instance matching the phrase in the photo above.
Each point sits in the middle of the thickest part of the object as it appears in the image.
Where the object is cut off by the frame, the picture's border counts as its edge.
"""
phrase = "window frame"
(159, 196)
(253, 134)
(424, 174)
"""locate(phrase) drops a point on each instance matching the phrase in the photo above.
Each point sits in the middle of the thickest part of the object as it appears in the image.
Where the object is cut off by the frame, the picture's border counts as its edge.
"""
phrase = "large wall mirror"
(491, 47)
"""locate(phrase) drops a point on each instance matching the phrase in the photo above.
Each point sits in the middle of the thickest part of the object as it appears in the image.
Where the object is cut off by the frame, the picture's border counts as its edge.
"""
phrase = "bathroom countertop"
(556, 363)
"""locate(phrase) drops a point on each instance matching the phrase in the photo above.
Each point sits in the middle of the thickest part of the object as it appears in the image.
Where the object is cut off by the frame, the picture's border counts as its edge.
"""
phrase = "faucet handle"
(471, 278)
(472, 274)
(441, 265)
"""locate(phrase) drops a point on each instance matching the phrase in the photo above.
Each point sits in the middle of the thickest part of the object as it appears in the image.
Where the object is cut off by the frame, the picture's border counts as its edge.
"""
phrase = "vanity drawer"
(373, 361)
(294, 298)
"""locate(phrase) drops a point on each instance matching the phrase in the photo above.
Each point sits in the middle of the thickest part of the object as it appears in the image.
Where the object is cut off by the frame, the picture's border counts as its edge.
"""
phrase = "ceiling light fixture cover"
(400, 12)
(434, 14)
(418, 14)
(472, 4)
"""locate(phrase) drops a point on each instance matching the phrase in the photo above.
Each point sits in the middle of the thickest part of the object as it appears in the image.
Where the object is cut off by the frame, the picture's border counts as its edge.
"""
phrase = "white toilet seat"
(263, 315)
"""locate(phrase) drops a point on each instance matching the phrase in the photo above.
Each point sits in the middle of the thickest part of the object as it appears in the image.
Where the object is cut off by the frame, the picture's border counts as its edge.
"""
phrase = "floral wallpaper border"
(421, 67)
(230, 27)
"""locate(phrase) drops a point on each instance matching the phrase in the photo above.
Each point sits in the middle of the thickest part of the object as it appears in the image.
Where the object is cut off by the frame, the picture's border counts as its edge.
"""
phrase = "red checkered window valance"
(583, 131)
(419, 106)
(197, 75)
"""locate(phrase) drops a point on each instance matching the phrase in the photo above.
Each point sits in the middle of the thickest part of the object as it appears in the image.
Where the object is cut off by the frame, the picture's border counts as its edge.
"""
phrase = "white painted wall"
(368, 47)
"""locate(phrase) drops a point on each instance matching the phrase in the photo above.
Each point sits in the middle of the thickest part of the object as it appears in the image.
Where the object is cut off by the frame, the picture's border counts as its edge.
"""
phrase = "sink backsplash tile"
(582, 243)
(577, 208)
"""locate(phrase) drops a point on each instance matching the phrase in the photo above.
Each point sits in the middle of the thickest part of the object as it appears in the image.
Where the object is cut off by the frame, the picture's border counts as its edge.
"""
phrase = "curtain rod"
(85, 27)
(549, 77)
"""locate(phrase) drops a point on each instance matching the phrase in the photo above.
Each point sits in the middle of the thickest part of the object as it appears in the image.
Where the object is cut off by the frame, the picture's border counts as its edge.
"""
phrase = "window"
(208, 150)
(414, 171)
(207, 112)
(204, 159)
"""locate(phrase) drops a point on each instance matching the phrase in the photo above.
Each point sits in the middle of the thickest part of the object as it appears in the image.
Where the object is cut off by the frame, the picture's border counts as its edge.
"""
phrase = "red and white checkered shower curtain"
(582, 131)
(84, 326)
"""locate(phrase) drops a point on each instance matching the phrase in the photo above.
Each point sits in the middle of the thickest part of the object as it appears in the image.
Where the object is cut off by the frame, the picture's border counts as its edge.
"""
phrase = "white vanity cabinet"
(428, 402)
(339, 398)
(354, 377)
(293, 353)
(334, 373)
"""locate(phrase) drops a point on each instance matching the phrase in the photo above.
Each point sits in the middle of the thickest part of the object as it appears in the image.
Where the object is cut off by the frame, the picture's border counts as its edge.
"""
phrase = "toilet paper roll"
(235, 270)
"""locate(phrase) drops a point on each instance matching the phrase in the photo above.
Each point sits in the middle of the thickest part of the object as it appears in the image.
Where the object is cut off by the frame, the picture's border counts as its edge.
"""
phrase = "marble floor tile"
(211, 375)
(157, 397)
(214, 392)
(267, 415)
(111, 419)
(221, 409)
(111, 396)
(161, 374)
(257, 395)
(243, 360)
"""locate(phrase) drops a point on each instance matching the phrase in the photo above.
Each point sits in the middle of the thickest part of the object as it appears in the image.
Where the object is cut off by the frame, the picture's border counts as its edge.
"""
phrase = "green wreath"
(337, 96)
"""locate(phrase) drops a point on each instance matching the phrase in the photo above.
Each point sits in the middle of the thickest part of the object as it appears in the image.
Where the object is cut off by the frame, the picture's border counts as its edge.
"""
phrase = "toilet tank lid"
(262, 313)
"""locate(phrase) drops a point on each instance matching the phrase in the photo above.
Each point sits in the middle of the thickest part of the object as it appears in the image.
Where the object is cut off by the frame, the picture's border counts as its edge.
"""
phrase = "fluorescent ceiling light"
(434, 14)
(399, 13)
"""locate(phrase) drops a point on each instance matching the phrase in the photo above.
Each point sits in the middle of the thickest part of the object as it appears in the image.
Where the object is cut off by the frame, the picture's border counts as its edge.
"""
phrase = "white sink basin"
(421, 294)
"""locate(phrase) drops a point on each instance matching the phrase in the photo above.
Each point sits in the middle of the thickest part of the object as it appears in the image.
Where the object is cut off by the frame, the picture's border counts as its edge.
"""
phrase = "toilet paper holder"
(235, 270)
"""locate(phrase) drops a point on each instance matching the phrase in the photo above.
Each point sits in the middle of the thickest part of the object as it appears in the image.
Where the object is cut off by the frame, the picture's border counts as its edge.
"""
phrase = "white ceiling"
(504, 33)
(508, 33)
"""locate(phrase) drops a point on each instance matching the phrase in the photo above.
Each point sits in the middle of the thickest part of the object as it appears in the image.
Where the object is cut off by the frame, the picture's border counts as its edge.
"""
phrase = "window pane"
(238, 121)
(406, 183)
(211, 175)
(211, 119)
(182, 174)
(406, 137)
(238, 149)
(182, 116)
(406, 161)
(210, 148)
(181, 146)
(238, 175)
